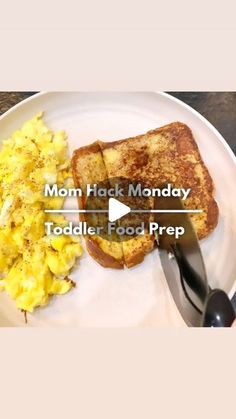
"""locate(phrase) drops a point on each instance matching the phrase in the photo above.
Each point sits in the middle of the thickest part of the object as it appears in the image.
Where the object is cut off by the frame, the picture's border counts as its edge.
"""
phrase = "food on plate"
(34, 266)
(88, 168)
(165, 155)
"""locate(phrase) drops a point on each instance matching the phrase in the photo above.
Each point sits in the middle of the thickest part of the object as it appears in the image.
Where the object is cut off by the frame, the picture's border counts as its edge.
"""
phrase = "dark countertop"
(218, 107)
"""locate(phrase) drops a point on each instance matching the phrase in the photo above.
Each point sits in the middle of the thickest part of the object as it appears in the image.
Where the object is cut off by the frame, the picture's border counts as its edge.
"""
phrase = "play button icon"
(113, 212)
(116, 209)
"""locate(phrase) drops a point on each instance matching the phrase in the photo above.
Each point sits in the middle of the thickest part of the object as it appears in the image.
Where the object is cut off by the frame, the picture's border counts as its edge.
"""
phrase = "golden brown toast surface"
(88, 167)
(165, 155)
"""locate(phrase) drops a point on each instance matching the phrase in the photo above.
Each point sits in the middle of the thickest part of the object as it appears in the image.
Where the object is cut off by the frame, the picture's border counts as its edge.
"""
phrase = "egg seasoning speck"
(34, 266)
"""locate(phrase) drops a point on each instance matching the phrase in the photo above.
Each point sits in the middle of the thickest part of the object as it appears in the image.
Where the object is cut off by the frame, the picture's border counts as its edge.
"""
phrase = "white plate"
(139, 296)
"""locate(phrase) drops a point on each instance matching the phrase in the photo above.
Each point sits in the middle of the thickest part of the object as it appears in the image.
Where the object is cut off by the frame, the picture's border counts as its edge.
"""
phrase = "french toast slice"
(165, 155)
(135, 249)
(88, 168)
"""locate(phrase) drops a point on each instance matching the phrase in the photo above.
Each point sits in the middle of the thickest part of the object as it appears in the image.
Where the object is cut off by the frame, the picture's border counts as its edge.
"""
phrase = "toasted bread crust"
(140, 247)
(77, 154)
(104, 259)
(165, 155)
(83, 171)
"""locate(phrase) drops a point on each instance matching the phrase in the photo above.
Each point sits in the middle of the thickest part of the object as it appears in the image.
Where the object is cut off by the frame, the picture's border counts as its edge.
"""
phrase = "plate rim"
(163, 94)
(166, 95)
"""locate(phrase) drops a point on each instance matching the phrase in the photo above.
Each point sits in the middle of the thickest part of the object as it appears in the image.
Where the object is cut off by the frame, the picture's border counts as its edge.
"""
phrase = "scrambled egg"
(34, 266)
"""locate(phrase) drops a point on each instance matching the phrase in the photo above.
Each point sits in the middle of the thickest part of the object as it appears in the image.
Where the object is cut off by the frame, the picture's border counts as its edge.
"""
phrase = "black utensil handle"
(194, 281)
(218, 310)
